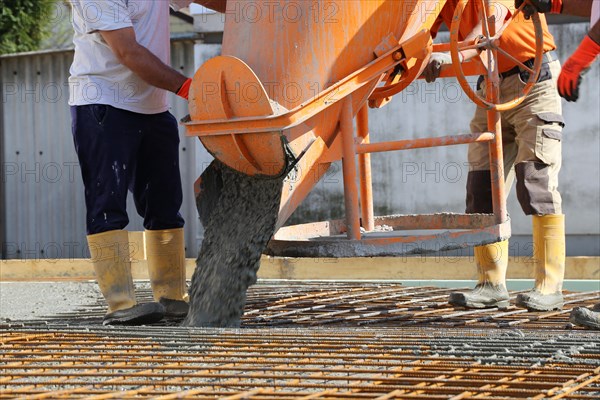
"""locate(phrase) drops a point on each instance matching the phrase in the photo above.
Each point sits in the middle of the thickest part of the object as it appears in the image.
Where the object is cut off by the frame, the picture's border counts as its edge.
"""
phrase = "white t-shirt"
(97, 76)
(595, 12)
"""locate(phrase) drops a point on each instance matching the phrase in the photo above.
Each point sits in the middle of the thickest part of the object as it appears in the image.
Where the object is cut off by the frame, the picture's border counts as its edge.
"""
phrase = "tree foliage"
(24, 23)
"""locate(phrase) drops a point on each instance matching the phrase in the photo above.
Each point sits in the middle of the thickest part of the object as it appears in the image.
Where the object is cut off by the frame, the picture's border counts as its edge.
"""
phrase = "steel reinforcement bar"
(169, 363)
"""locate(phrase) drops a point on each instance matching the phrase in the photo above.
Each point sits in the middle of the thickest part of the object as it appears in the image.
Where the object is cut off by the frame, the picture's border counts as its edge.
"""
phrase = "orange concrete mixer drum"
(277, 55)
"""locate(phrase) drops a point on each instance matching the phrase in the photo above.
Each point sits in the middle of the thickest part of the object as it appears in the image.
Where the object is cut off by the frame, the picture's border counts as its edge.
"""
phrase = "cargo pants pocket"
(548, 138)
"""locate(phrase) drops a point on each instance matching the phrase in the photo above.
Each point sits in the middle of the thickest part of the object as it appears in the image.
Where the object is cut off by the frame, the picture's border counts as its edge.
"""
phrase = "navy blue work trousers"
(120, 150)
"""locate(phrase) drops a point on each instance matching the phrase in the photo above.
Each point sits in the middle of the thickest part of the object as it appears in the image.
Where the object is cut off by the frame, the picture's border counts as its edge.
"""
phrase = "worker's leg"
(549, 264)
(110, 256)
(479, 180)
(106, 140)
(165, 255)
(158, 197)
(538, 123)
(492, 262)
(491, 259)
(156, 183)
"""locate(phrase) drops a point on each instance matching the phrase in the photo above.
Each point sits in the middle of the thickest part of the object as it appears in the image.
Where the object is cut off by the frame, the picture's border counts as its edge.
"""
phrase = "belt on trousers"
(548, 57)
(545, 73)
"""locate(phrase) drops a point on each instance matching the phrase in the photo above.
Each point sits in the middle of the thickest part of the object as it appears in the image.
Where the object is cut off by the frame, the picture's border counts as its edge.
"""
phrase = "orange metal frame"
(327, 238)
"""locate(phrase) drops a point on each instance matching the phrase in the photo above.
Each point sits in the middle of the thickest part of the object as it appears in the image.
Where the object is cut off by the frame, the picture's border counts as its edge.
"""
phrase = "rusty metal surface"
(297, 304)
(310, 340)
(167, 363)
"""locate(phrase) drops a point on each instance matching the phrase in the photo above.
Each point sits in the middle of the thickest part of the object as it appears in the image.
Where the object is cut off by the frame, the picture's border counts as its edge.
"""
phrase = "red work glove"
(184, 90)
(573, 70)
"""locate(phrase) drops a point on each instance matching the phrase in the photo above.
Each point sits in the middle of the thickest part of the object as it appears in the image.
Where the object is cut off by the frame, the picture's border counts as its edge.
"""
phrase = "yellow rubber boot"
(492, 263)
(549, 264)
(110, 257)
(165, 254)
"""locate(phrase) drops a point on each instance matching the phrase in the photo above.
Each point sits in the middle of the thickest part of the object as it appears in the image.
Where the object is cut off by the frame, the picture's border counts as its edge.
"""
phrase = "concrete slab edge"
(360, 268)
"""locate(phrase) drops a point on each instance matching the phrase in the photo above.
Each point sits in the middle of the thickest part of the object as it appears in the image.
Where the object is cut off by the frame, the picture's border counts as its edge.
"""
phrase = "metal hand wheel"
(490, 43)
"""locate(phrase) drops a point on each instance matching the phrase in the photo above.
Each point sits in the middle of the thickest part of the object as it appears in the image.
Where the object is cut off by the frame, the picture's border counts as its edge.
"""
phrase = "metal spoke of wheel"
(477, 46)
(486, 27)
(503, 27)
(519, 63)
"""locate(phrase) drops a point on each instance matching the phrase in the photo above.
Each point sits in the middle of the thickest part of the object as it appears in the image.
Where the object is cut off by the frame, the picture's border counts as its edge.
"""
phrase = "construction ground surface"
(300, 339)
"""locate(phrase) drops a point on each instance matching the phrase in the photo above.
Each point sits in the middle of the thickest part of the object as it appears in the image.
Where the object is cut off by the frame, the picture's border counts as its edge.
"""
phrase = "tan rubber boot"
(110, 257)
(165, 254)
(549, 264)
(492, 262)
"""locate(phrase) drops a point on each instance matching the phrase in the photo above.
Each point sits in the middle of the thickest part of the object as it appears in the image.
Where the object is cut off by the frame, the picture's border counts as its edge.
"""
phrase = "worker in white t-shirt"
(568, 85)
(126, 140)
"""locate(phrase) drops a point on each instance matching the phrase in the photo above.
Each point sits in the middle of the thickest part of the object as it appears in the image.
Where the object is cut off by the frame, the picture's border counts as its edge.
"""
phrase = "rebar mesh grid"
(170, 362)
(333, 340)
(354, 304)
